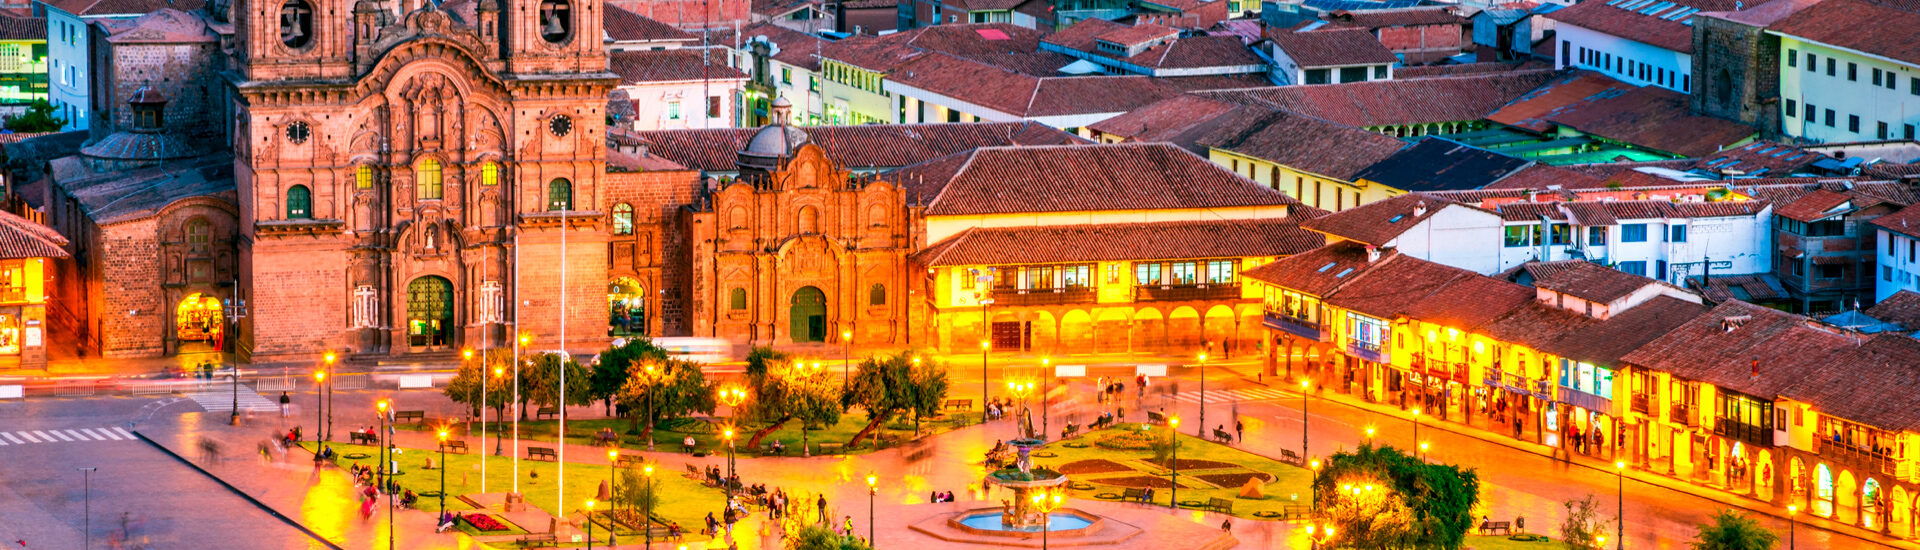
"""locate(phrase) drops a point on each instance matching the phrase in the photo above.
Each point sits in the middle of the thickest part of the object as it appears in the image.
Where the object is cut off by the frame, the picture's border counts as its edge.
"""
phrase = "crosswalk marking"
(10, 437)
(222, 401)
(122, 431)
(29, 437)
(93, 435)
(1229, 396)
(74, 435)
(43, 435)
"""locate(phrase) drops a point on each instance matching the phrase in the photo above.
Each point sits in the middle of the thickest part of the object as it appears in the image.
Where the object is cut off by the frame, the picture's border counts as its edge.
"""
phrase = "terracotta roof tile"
(21, 238)
(23, 28)
(1873, 383)
(1024, 95)
(1438, 164)
(1379, 222)
(1882, 28)
(1905, 221)
(1585, 280)
(1820, 204)
(1541, 176)
(1464, 69)
(1656, 118)
(1393, 102)
(626, 26)
(1129, 35)
(1760, 157)
(1744, 348)
(1304, 143)
(1331, 47)
(1391, 287)
(1651, 28)
(1319, 272)
(1401, 17)
(1469, 303)
(1746, 288)
(1902, 308)
(1128, 176)
(1181, 120)
(1532, 109)
(678, 65)
(1117, 242)
(869, 146)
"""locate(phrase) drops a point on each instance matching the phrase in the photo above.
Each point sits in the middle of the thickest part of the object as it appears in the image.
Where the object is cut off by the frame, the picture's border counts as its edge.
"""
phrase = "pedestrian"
(1240, 431)
(285, 402)
(849, 523)
(1227, 525)
(822, 503)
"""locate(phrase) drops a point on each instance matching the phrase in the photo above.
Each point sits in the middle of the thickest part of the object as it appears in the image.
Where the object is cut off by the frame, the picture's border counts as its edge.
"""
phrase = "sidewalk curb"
(236, 491)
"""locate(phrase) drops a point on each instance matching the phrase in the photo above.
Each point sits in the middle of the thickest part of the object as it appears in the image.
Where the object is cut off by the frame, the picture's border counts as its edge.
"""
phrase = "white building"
(1643, 42)
(1838, 83)
(1326, 56)
(69, 50)
(1899, 253)
(678, 89)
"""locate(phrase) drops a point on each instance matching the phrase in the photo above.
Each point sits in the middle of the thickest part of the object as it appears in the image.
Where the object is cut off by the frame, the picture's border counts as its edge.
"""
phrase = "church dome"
(774, 141)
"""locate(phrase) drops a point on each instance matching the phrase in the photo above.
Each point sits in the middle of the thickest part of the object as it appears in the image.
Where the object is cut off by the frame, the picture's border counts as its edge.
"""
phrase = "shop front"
(199, 323)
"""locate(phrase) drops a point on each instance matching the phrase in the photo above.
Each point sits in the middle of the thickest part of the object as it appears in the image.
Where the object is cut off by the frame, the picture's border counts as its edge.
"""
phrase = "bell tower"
(295, 39)
(554, 36)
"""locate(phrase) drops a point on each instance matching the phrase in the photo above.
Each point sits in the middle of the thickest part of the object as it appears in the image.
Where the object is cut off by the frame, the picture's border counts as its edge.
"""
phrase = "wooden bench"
(1489, 527)
(1296, 511)
(408, 417)
(363, 438)
(547, 412)
(535, 540)
(1222, 436)
(694, 472)
(1290, 457)
(960, 404)
(630, 461)
(455, 445)
(1134, 495)
(1156, 418)
(606, 436)
(830, 448)
(1069, 431)
(1220, 505)
(537, 452)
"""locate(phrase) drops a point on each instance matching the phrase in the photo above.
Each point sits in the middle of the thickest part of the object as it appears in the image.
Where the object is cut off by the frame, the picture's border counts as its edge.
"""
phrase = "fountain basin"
(1066, 524)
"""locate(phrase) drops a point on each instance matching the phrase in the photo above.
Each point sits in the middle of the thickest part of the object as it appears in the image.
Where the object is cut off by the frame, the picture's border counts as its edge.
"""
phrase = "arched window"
(809, 220)
(556, 20)
(559, 195)
(877, 295)
(296, 23)
(737, 299)
(363, 177)
(428, 180)
(489, 173)
(299, 203)
(199, 236)
(623, 219)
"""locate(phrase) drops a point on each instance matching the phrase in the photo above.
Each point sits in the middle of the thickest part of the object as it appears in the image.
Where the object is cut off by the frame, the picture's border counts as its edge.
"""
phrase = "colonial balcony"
(1176, 293)
(1367, 351)
(1740, 431)
(1294, 325)
(1683, 414)
(1877, 460)
(1643, 404)
(1043, 296)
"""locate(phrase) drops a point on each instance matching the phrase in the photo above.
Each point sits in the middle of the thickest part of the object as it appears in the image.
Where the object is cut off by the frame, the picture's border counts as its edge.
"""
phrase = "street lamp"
(653, 377)
(727, 434)
(1020, 390)
(1201, 430)
(589, 524)
(86, 518)
(1173, 432)
(804, 376)
(1317, 536)
(846, 359)
(1416, 425)
(382, 479)
(1046, 502)
(497, 373)
(732, 397)
(1369, 434)
(613, 457)
(1313, 491)
(647, 522)
(1306, 394)
(1793, 513)
(466, 359)
(234, 419)
(443, 471)
(873, 488)
(1046, 374)
(319, 408)
(330, 357)
(525, 340)
(984, 346)
(1620, 503)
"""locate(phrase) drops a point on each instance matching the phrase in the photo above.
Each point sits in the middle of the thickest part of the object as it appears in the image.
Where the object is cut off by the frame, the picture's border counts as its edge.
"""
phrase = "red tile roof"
(1873, 383)
(20, 238)
(1649, 28)
(1379, 222)
(626, 26)
(1469, 303)
(1760, 157)
(1331, 47)
(1902, 308)
(1181, 120)
(1321, 271)
(1905, 221)
(1656, 118)
(1531, 110)
(1130, 35)
(1117, 242)
(23, 28)
(1884, 28)
(1025, 95)
(1304, 143)
(1763, 286)
(678, 65)
(1130, 176)
(792, 47)
(869, 146)
(1541, 176)
(1745, 348)
(1393, 102)
(1401, 17)
(1820, 204)
(1391, 288)
(1584, 280)
(1176, 52)
(123, 7)
(1463, 69)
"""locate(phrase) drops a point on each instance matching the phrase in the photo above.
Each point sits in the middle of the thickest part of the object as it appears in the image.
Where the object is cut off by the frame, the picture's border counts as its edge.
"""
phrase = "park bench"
(630, 461)
(960, 404)
(363, 438)
(536, 540)
(1102, 422)
(1290, 457)
(1296, 511)
(454, 445)
(1489, 527)
(1222, 436)
(1134, 495)
(408, 417)
(1220, 505)
(606, 435)
(538, 452)
(830, 448)
(1069, 431)
(547, 412)
(1156, 418)
(694, 472)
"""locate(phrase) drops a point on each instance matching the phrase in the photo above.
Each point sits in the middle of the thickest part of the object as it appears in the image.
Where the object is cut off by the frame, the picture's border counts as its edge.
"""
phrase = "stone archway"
(1845, 497)
(1043, 332)
(200, 318)
(1148, 332)
(627, 308)
(808, 315)
(1900, 512)
(1763, 475)
(1112, 330)
(429, 313)
(1076, 331)
(1872, 500)
(1184, 329)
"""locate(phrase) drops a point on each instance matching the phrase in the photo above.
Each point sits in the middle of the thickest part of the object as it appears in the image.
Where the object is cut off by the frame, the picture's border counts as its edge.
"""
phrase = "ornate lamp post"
(1173, 431)
(466, 358)
(1793, 513)
(846, 359)
(727, 434)
(525, 339)
(984, 346)
(613, 458)
(1046, 503)
(1201, 430)
(653, 377)
(589, 524)
(1046, 374)
(1416, 426)
(1306, 394)
(382, 479)
(647, 522)
(873, 488)
(1319, 535)
(319, 407)
(443, 470)
(1620, 503)
(498, 372)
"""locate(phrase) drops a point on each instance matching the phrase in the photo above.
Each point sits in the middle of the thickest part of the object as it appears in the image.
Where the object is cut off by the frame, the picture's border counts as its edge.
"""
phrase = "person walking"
(285, 402)
(822, 503)
(1240, 430)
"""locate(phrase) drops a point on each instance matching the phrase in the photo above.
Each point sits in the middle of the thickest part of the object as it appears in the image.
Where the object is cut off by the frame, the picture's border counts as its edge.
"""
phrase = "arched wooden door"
(809, 315)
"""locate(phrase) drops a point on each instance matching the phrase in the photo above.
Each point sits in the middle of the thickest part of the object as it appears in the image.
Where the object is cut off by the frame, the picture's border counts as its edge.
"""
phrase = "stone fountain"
(1019, 513)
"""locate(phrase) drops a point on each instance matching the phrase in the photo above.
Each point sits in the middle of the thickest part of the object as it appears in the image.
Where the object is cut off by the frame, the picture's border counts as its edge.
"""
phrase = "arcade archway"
(626, 308)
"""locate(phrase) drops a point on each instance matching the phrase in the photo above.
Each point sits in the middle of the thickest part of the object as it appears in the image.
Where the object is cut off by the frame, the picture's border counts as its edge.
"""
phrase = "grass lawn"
(1500, 542)
(706, 436)
(682, 500)
(1130, 468)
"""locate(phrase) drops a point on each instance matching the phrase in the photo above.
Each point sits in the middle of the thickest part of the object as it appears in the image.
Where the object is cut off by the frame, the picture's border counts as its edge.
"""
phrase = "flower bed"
(1127, 441)
(1236, 479)
(1186, 464)
(484, 522)
(1137, 482)
(1094, 466)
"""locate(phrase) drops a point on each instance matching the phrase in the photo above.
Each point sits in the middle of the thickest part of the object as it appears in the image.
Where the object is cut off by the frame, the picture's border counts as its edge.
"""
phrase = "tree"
(1730, 530)
(38, 118)
(784, 390)
(616, 364)
(930, 386)
(1380, 497)
(465, 386)
(885, 386)
(683, 389)
(1583, 528)
(630, 490)
(540, 382)
(815, 537)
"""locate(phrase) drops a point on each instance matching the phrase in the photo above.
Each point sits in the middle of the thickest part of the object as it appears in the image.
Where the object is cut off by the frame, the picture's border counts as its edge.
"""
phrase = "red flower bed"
(484, 522)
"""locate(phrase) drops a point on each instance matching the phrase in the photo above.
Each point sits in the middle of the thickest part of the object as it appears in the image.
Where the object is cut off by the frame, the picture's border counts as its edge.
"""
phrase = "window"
(1826, 228)
(489, 173)
(1633, 233)
(1813, 62)
(1880, 130)
(1367, 333)
(737, 299)
(296, 24)
(1909, 132)
(1831, 271)
(1829, 118)
(1679, 234)
(1813, 114)
(428, 185)
(199, 236)
(673, 110)
(1076, 276)
(1876, 77)
(1596, 236)
(1793, 58)
(1853, 72)
(556, 20)
(1317, 76)
(363, 177)
(1522, 235)
(1353, 74)
(1799, 268)
(877, 295)
(1380, 72)
(1635, 267)
(1220, 272)
(1146, 273)
(623, 219)
(1185, 273)
(1560, 234)
(786, 75)
(1853, 123)
(299, 203)
(1830, 67)
(1886, 274)
(1793, 108)
(713, 107)
(1913, 85)
(559, 195)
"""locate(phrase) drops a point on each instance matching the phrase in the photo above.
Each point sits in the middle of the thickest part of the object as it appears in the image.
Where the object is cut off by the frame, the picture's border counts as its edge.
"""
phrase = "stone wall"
(1736, 74)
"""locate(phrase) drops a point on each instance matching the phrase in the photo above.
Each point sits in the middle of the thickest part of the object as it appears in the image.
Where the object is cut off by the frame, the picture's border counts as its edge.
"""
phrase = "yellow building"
(1310, 159)
(29, 254)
